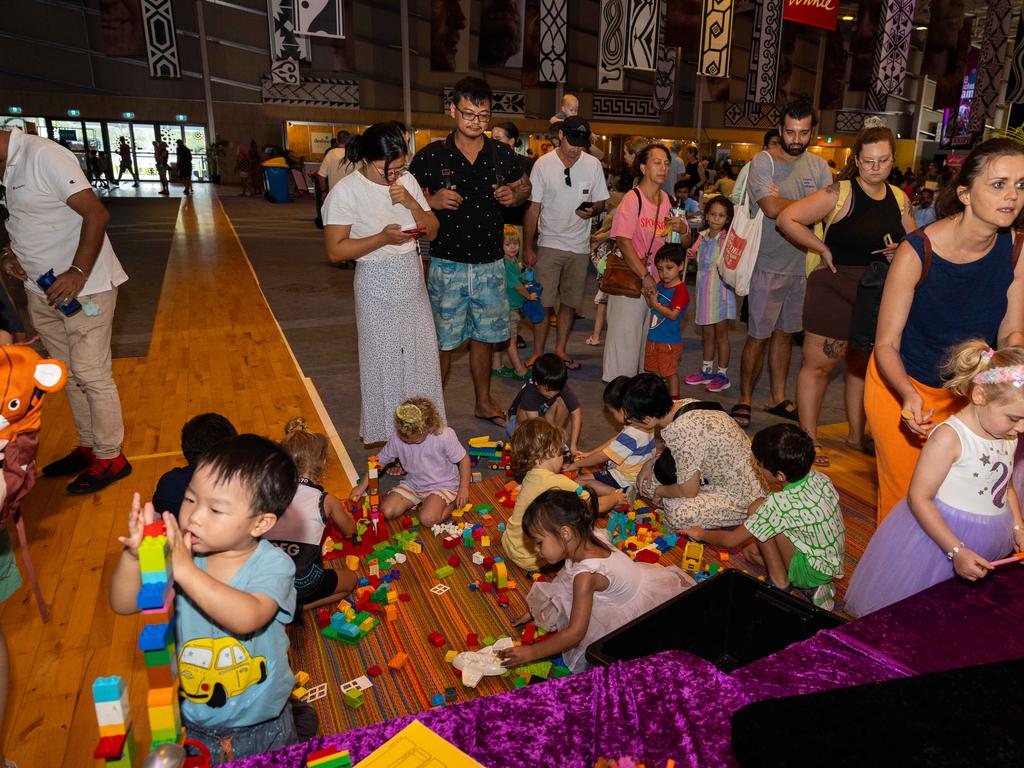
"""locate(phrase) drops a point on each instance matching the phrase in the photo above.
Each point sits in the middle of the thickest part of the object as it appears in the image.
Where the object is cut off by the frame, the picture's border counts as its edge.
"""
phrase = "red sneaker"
(99, 474)
(79, 458)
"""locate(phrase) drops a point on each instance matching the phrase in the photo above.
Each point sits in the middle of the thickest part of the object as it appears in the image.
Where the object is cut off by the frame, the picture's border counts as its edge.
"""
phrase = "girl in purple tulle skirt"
(961, 511)
(599, 590)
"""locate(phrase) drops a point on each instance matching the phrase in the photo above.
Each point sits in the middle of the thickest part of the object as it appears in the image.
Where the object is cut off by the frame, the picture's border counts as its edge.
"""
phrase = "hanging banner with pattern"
(554, 22)
(284, 42)
(814, 13)
(763, 73)
(1015, 85)
(665, 74)
(161, 38)
(715, 39)
(611, 46)
(890, 67)
(641, 34)
(990, 67)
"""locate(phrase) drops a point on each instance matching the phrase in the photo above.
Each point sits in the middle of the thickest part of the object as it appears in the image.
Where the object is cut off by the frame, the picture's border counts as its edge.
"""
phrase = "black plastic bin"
(730, 620)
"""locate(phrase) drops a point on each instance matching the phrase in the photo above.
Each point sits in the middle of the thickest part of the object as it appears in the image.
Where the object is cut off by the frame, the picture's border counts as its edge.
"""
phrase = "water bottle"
(674, 237)
(68, 308)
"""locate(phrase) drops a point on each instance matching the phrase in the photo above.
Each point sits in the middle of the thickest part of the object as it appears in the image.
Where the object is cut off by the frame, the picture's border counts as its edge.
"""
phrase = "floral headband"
(1007, 374)
(409, 413)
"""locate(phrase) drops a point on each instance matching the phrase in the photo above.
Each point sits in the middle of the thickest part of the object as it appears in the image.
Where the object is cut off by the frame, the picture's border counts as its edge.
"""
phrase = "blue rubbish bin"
(277, 183)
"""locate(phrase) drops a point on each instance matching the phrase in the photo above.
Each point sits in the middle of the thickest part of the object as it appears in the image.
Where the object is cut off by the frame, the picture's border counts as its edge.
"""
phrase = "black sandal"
(785, 409)
(741, 413)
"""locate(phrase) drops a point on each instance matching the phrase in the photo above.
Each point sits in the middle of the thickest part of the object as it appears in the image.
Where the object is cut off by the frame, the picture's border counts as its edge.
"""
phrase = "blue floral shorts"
(469, 302)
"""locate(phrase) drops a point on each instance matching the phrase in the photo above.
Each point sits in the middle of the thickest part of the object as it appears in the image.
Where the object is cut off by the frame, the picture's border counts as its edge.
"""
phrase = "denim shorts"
(468, 301)
(227, 743)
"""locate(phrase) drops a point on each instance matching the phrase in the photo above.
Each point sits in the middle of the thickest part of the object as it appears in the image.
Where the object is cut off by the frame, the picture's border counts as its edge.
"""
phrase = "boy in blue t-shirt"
(665, 337)
(235, 594)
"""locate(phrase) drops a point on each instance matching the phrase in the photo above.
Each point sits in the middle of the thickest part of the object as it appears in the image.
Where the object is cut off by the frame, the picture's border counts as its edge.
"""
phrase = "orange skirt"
(896, 447)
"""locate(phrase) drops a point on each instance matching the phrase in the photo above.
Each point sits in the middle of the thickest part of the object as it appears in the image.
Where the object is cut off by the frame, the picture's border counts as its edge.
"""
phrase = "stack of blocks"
(331, 757)
(372, 489)
(113, 713)
(156, 641)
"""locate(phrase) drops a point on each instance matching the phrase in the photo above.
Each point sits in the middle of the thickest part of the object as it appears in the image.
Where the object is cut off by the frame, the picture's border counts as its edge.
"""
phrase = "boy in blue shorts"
(235, 594)
(799, 530)
(665, 337)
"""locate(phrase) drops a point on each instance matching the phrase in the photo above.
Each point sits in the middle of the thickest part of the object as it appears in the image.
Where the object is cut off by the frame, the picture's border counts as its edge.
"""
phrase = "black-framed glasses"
(4, 213)
(568, 178)
(483, 118)
(392, 174)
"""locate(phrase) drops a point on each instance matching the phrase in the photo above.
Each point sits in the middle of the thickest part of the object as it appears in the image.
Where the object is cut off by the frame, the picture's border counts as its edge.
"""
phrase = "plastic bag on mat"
(739, 253)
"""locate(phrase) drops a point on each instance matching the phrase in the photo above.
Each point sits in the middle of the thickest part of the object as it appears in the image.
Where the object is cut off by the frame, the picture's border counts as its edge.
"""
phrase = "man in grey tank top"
(777, 178)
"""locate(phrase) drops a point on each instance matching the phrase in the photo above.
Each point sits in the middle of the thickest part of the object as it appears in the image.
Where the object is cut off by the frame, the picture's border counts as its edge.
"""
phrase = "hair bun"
(298, 424)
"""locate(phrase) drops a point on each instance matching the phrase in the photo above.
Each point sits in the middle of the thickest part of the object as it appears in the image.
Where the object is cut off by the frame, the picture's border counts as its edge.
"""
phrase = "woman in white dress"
(374, 217)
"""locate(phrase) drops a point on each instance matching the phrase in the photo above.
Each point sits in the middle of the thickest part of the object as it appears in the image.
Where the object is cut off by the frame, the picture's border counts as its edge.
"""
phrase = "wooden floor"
(215, 347)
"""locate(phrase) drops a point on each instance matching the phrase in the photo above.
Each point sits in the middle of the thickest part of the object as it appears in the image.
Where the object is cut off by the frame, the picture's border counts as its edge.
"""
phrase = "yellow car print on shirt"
(211, 670)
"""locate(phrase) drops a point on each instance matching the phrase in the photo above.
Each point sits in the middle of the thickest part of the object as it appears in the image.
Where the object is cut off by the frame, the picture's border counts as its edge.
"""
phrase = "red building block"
(488, 563)
(502, 600)
(153, 529)
(529, 634)
(450, 542)
(404, 597)
(323, 617)
(485, 586)
(472, 641)
(110, 747)
(406, 521)
(454, 561)
(437, 639)
(647, 556)
(374, 671)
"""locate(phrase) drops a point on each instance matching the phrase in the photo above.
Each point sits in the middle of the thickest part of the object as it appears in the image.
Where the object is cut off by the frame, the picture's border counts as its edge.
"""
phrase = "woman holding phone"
(865, 219)
(374, 217)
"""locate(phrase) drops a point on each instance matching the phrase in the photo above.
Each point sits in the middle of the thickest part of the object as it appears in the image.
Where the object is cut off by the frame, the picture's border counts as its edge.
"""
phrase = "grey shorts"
(562, 275)
(776, 303)
(514, 316)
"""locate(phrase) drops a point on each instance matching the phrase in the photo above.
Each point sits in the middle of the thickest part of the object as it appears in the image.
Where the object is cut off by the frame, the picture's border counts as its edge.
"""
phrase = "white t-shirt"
(559, 225)
(334, 167)
(44, 230)
(367, 207)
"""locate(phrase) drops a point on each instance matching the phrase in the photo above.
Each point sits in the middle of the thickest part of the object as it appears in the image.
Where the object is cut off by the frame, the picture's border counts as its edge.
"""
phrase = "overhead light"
(846, 18)
(921, 27)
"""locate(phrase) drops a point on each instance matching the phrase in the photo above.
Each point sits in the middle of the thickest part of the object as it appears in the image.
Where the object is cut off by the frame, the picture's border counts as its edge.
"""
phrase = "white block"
(111, 713)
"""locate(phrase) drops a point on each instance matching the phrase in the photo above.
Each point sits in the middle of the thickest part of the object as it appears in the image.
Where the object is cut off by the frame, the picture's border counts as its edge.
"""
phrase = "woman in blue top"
(971, 287)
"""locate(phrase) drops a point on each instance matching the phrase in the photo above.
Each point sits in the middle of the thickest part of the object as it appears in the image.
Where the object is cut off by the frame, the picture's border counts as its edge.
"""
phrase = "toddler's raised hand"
(138, 518)
(179, 543)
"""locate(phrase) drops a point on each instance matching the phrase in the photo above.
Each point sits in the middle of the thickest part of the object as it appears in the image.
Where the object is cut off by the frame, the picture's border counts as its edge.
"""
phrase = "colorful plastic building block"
(444, 571)
(374, 671)
(398, 660)
(478, 558)
(437, 700)
(472, 641)
(454, 561)
(437, 639)
(331, 757)
(354, 698)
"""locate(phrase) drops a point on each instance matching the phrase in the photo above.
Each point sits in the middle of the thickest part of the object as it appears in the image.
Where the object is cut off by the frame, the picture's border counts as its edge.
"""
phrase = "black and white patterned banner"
(611, 46)
(641, 33)
(284, 42)
(554, 27)
(665, 74)
(890, 66)
(849, 122)
(313, 92)
(763, 73)
(161, 38)
(617, 107)
(752, 116)
(285, 72)
(715, 38)
(990, 65)
(320, 18)
(505, 102)
(1015, 85)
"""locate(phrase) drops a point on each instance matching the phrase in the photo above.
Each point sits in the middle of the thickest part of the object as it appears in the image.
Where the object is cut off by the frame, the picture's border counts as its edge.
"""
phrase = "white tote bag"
(739, 253)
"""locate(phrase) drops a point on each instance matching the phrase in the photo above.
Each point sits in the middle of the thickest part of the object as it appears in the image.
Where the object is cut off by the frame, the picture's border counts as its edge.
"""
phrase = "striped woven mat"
(455, 614)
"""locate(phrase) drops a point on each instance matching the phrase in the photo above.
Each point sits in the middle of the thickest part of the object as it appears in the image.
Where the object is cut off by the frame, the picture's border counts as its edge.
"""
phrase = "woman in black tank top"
(865, 219)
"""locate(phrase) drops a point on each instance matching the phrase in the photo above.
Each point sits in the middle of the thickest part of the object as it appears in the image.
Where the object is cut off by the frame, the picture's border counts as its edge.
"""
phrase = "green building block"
(444, 571)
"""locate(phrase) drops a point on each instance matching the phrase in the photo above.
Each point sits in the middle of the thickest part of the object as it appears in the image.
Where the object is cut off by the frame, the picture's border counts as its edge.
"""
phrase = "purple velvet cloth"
(674, 705)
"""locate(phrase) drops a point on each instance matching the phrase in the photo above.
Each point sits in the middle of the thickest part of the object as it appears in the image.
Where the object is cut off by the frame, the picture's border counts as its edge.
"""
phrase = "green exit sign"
(128, 115)
(14, 110)
(181, 118)
(74, 113)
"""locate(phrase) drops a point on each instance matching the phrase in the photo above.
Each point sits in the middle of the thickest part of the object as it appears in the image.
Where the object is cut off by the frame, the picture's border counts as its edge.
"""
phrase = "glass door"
(115, 132)
(195, 140)
(142, 138)
(170, 133)
(71, 134)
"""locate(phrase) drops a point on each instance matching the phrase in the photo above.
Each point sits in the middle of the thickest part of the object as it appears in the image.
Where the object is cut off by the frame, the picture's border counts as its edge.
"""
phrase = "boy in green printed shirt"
(799, 530)
(518, 294)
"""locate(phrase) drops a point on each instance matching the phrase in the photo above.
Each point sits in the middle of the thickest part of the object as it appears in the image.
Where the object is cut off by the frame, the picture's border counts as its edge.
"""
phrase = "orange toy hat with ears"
(24, 378)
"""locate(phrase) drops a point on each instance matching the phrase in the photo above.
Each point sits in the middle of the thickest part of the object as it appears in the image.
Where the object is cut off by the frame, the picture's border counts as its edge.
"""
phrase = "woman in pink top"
(641, 222)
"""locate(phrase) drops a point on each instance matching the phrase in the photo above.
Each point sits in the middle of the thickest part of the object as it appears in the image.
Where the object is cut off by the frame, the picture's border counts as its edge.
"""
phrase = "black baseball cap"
(576, 131)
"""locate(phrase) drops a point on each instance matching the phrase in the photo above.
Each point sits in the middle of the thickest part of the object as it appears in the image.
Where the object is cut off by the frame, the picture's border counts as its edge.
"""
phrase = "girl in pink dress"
(599, 590)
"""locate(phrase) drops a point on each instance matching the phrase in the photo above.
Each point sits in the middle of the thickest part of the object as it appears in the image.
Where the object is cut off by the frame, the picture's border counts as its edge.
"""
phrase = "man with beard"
(446, 25)
(777, 178)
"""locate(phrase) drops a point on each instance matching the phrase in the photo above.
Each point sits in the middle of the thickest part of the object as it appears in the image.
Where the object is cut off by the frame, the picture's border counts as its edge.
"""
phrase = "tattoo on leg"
(834, 348)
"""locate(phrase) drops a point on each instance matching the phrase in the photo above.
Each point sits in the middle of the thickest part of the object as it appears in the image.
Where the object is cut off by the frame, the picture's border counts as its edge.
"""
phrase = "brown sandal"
(821, 459)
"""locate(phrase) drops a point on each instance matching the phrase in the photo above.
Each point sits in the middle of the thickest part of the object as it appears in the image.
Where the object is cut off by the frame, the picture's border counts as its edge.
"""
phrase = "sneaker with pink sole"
(718, 383)
(700, 377)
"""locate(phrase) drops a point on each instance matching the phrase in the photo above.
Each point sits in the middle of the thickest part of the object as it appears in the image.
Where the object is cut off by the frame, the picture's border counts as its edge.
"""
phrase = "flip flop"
(592, 342)
(785, 409)
(741, 413)
(498, 419)
(571, 364)
(821, 459)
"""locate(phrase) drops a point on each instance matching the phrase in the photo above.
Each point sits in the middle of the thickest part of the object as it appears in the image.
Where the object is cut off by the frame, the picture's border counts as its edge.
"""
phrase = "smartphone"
(414, 232)
(888, 244)
(585, 206)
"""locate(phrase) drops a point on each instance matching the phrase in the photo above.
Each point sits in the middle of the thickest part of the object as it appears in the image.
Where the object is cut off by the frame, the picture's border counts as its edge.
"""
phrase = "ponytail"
(1001, 373)
(554, 509)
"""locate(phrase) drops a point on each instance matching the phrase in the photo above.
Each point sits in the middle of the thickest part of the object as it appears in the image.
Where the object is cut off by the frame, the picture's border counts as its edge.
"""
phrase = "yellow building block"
(450, 656)
(300, 693)
(352, 563)
(116, 729)
(485, 541)
(301, 678)
(393, 596)
(415, 547)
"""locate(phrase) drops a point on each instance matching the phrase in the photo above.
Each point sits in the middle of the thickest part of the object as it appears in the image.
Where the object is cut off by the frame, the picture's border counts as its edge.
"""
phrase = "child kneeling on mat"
(800, 533)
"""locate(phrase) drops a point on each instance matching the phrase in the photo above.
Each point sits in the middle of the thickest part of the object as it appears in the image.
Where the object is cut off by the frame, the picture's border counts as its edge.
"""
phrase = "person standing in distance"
(57, 223)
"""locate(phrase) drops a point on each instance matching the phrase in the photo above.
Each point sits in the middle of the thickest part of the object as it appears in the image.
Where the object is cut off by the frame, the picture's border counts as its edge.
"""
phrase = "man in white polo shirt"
(57, 223)
(568, 190)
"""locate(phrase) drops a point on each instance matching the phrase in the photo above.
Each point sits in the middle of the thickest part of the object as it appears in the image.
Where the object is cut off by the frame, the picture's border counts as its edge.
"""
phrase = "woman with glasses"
(865, 218)
(374, 217)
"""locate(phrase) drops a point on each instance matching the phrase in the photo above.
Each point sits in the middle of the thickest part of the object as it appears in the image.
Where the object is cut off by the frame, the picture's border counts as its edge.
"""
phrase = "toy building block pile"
(640, 532)
(510, 493)
(113, 713)
(156, 641)
(493, 453)
(331, 757)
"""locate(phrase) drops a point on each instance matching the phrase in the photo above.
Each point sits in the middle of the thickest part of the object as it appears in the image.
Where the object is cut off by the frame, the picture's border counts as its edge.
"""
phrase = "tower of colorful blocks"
(331, 757)
(156, 641)
(373, 489)
(113, 713)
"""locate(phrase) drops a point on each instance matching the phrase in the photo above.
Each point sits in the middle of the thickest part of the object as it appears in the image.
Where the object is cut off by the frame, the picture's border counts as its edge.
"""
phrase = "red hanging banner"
(815, 13)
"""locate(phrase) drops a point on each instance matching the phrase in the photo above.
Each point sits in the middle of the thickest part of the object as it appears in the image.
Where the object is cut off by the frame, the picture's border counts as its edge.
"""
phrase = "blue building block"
(671, 539)
(363, 581)
(437, 700)
(155, 577)
(152, 596)
(154, 637)
(395, 574)
(107, 689)
(501, 527)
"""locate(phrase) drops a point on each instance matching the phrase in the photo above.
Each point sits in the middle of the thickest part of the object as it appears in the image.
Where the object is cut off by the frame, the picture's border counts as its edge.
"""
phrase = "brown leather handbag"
(618, 278)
